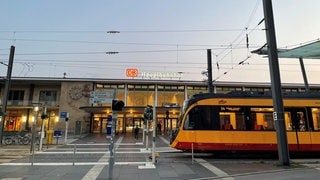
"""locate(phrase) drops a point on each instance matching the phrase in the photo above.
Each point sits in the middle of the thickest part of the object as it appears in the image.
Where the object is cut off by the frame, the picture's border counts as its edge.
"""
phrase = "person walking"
(159, 128)
(136, 132)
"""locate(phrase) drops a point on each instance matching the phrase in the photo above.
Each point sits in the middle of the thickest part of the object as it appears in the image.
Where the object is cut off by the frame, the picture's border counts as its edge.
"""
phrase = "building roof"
(306, 51)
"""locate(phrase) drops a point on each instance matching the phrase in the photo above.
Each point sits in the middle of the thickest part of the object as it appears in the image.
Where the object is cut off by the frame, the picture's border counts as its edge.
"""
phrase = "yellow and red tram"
(243, 121)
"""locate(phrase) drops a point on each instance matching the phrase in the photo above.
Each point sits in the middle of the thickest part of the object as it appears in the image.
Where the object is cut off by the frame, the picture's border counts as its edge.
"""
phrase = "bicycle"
(17, 139)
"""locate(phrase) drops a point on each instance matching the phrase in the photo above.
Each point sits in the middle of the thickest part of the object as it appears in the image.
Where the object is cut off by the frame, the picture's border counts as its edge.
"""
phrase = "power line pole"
(278, 114)
(210, 86)
(6, 92)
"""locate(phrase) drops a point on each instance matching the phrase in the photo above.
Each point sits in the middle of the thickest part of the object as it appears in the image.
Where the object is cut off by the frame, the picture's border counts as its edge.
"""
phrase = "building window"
(99, 86)
(109, 86)
(258, 89)
(16, 97)
(140, 95)
(196, 90)
(141, 87)
(48, 96)
(290, 90)
(170, 96)
(224, 90)
(13, 121)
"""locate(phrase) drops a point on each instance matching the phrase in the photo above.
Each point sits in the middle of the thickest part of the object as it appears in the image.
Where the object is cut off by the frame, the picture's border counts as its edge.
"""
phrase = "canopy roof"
(306, 51)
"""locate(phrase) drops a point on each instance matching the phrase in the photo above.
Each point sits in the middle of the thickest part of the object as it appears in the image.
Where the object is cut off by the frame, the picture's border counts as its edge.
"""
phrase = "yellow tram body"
(201, 125)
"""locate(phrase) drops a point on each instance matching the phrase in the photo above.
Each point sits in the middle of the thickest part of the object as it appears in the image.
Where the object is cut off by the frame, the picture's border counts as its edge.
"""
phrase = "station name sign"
(133, 72)
(154, 75)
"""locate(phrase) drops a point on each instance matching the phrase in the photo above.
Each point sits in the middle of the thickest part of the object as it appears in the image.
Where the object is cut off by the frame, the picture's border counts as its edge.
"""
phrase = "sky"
(72, 37)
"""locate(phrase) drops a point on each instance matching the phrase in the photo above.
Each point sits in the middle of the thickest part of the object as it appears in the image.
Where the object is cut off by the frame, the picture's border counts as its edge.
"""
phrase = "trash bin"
(57, 135)
(49, 137)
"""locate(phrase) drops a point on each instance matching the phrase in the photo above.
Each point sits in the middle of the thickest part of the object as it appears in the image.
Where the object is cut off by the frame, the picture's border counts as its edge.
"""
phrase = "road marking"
(147, 165)
(89, 144)
(99, 152)
(164, 140)
(75, 164)
(94, 172)
(213, 169)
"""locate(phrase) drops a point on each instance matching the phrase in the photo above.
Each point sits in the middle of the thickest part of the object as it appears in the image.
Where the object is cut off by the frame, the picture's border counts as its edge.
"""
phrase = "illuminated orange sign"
(132, 72)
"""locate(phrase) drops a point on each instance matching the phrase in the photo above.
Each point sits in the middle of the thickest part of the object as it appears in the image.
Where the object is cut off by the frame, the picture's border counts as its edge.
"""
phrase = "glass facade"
(140, 95)
(196, 90)
(170, 96)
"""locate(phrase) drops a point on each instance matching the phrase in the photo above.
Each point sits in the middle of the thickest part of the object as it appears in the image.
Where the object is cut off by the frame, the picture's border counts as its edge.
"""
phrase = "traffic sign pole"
(66, 132)
(111, 147)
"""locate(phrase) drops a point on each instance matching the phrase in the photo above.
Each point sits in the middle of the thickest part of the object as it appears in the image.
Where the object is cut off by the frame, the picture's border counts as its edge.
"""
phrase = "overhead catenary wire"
(140, 64)
(245, 31)
(116, 52)
(122, 31)
(120, 67)
(157, 61)
(116, 43)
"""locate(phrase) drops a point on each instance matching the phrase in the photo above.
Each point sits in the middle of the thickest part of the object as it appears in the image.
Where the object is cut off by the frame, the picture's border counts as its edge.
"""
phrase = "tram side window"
(316, 118)
(240, 121)
(200, 118)
(297, 120)
(225, 122)
(268, 123)
(232, 118)
(302, 121)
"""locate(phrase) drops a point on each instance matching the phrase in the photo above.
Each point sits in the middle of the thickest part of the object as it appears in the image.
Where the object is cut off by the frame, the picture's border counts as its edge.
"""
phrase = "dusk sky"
(164, 36)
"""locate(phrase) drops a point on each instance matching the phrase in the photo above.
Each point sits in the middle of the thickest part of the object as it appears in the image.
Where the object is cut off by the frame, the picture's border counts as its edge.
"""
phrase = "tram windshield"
(184, 107)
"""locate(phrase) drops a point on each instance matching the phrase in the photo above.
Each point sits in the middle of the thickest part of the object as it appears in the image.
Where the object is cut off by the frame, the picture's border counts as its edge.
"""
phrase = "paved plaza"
(88, 157)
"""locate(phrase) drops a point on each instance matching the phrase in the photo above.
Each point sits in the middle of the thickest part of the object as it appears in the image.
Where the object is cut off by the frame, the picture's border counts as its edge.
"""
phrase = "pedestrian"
(136, 132)
(159, 128)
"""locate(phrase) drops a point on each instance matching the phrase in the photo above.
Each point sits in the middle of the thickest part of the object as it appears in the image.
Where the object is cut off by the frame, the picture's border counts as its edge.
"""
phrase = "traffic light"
(117, 105)
(44, 116)
(148, 112)
(67, 117)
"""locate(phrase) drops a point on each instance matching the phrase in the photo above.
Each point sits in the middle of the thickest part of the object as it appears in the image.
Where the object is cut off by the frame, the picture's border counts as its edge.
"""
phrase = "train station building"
(86, 103)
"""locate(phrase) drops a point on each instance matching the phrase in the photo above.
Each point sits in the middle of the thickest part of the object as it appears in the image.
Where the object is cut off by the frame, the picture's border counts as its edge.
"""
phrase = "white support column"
(42, 127)
(154, 125)
(66, 132)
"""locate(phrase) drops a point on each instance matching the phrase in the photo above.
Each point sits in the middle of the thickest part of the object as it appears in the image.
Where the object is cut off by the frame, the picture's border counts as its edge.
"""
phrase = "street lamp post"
(34, 125)
(6, 92)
